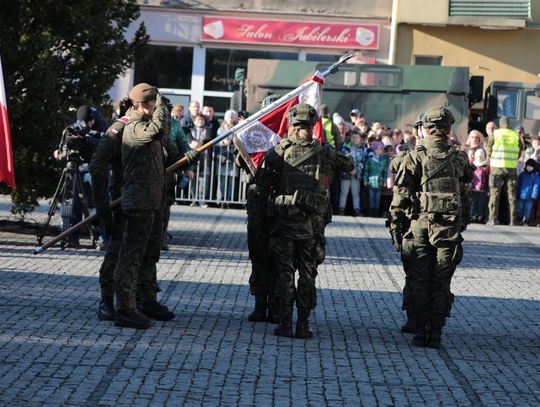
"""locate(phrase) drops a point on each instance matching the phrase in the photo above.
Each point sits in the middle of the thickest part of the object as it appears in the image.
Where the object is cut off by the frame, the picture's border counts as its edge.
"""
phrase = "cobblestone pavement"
(54, 351)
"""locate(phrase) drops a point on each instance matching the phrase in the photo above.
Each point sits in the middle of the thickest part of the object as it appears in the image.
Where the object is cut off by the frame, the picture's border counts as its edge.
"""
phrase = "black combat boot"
(106, 309)
(420, 337)
(259, 313)
(153, 309)
(285, 322)
(273, 314)
(132, 318)
(408, 327)
(302, 324)
(434, 338)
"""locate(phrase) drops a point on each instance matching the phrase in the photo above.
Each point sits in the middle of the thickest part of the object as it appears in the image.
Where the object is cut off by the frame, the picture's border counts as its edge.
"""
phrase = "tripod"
(69, 194)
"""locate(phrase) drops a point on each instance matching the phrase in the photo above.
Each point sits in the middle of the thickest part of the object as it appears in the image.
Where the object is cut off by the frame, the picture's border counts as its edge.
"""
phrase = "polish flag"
(7, 171)
(261, 135)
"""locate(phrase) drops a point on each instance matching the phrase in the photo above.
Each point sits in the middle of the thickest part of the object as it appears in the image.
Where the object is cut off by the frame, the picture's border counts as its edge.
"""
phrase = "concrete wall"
(506, 55)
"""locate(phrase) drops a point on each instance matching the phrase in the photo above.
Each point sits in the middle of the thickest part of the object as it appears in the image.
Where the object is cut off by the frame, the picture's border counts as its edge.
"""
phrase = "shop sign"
(308, 34)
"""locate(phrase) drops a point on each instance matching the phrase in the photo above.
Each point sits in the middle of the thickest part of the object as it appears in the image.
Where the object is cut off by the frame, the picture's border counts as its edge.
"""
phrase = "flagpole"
(183, 161)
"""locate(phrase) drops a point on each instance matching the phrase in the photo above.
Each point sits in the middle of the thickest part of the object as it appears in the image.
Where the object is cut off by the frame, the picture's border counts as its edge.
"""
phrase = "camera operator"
(77, 146)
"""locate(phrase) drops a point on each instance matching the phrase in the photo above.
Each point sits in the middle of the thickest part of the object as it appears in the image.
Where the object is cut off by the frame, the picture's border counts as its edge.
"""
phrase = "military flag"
(261, 135)
(7, 170)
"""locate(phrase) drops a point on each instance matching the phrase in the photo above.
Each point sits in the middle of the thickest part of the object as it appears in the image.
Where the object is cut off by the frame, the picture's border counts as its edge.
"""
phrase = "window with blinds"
(490, 8)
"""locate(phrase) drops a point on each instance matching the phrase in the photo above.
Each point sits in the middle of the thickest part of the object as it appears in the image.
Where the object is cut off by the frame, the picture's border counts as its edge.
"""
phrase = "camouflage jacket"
(406, 208)
(143, 160)
(292, 219)
(108, 152)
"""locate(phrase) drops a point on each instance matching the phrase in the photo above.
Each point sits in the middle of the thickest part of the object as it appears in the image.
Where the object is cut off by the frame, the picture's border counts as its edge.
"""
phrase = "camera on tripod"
(78, 143)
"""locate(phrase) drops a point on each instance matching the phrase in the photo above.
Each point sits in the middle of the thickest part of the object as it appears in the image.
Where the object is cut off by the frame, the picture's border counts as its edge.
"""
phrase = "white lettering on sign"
(317, 35)
(249, 31)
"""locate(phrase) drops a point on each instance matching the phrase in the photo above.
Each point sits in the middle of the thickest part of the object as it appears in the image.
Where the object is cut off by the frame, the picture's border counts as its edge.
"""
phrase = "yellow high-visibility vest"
(505, 151)
(327, 127)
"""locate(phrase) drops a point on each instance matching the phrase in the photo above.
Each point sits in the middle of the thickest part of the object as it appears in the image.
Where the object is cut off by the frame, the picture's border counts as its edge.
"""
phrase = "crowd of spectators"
(367, 190)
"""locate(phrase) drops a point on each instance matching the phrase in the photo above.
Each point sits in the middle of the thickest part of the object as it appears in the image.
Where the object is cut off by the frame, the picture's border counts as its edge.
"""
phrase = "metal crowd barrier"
(217, 179)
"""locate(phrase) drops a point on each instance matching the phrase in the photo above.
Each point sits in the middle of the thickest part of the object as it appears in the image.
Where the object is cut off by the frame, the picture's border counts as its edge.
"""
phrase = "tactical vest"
(302, 183)
(440, 192)
(505, 151)
(327, 127)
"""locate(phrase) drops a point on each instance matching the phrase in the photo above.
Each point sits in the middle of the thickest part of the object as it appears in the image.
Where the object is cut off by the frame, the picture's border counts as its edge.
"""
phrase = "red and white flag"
(7, 170)
(261, 135)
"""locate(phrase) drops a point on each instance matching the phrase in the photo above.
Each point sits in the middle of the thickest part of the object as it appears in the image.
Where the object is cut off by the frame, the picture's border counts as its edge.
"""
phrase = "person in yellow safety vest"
(331, 132)
(503, 150)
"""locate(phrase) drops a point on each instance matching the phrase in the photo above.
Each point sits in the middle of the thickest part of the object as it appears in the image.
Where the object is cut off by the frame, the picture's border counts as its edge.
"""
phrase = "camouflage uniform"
(143, 197)
(108, 152)
(293, 175)
(261, 280)
(430, 192)
(503, 169)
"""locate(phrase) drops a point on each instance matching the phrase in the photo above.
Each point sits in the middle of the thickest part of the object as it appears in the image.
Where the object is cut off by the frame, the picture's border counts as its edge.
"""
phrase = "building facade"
(196, 47)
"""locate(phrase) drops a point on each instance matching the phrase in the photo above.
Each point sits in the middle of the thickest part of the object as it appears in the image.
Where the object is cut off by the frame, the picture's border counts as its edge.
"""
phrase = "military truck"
(396, 94)
(391, 94)
(518, 101)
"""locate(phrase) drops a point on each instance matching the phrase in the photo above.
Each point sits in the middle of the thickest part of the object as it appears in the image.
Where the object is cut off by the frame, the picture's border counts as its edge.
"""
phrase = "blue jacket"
(528, 185)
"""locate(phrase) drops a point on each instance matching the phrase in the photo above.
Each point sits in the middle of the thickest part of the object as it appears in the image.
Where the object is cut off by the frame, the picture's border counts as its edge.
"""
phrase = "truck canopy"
(392, 94)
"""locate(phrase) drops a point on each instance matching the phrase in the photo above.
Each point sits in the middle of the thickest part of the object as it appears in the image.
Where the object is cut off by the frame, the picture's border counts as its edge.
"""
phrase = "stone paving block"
(54, 351)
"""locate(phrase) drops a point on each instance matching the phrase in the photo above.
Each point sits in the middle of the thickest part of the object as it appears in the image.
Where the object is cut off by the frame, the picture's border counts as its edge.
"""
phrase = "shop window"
(507, 100)
(165, 67)
(221, 63)
(220, 104)
(532, 106)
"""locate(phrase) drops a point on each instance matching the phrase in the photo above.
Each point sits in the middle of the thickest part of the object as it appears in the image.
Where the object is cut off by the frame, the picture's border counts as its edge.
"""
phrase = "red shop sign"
(350, 36)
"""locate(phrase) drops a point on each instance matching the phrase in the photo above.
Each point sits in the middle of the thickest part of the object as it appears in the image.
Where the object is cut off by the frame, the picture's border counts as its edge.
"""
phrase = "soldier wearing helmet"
(428, 214)
(293, 178)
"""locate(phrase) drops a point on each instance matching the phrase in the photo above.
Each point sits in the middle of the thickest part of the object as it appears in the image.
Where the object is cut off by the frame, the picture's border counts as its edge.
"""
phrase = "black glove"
(104, 214)
(396, 239)
(163, 101)
(193, 156)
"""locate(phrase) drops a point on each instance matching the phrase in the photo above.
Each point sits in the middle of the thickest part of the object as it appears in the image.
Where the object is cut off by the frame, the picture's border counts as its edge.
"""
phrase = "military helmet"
(302, 114)
(419, 120)
(438, 116)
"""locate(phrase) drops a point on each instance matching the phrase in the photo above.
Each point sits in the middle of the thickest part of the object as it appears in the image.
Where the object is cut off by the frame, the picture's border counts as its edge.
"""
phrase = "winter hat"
(480, 158)
(532, 163)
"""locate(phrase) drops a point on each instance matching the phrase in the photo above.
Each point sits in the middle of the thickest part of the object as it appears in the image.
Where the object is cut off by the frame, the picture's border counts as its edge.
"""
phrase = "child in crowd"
(375, 174)
(197, 136)
(350, 181)
(528, 185)
(480, 185)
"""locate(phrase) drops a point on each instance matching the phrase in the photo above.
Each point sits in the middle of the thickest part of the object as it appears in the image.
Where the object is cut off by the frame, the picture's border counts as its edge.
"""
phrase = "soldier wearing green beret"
(144, 141)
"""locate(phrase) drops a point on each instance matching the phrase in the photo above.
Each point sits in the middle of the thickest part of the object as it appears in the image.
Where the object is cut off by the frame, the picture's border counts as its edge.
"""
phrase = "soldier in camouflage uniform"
(396, 161)
(261, 280)
(108, 152)
(429, 192)
(293, 175)
(143, 194)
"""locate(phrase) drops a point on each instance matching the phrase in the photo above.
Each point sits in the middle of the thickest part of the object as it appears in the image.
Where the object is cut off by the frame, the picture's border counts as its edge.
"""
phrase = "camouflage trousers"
(106, 271)
(497, 178)
(139, 252)
(261, 280)
(288, 256)
(430, 270)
